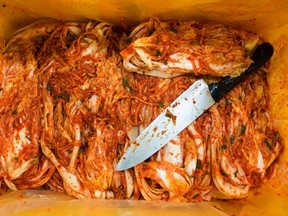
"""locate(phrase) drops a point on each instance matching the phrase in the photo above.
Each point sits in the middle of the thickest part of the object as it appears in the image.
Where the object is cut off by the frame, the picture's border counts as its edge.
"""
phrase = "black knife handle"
(261, 55)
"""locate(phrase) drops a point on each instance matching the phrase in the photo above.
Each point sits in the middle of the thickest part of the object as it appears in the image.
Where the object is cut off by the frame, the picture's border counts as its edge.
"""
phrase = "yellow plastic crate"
(268, 18)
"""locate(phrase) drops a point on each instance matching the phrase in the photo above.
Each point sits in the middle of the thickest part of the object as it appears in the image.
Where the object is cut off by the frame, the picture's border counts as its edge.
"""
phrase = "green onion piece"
(243, 129)
(125, 83)
(64, 96)
(85, 40)
(227, 102)
(251, 115)
(87, 108)
(67, 98)
(199, 164)
(269, 146)
(223, 173)
(36, 160)
(173, 30)
(160, 104)
(168, 115)
(151, 31)
(231, 140)
(223, 147)
(60, 95)
(158, 53)
(277, 136)
(195, 196)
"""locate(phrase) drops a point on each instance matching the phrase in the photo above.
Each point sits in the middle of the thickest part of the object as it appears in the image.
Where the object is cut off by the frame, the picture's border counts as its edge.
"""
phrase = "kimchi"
(74, 95)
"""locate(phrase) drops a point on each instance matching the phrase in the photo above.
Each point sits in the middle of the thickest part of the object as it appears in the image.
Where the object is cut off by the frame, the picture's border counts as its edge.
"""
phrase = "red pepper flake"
(20, 196)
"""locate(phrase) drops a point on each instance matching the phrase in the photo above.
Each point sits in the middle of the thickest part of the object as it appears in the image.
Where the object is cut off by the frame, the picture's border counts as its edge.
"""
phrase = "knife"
(184, 110)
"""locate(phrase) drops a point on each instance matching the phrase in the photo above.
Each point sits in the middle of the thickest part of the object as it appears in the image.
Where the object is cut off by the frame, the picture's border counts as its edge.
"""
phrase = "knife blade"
(193, 102)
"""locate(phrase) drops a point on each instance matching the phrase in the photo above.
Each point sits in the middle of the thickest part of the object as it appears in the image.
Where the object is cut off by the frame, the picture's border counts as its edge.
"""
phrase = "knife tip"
(122, 165)
(119, 167)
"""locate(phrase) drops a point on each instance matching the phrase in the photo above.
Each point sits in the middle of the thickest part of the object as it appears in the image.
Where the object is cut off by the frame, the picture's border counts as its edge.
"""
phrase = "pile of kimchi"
(74, 95)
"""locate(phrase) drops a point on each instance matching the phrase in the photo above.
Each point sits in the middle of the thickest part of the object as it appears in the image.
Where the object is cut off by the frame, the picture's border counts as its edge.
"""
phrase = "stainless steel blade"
(174, 119)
